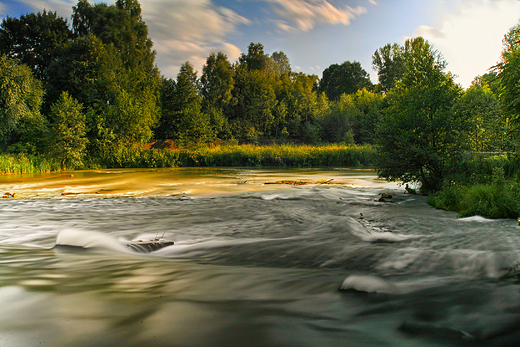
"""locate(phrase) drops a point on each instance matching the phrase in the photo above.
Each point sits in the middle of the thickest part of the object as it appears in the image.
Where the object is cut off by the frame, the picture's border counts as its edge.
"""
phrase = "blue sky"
(315, 33)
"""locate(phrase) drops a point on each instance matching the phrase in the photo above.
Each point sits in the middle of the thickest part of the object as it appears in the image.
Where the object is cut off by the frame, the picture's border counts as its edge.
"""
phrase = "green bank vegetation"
(89, 95)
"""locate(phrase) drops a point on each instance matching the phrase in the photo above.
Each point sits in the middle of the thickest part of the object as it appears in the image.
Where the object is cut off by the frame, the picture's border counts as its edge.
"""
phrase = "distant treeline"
(90, 95)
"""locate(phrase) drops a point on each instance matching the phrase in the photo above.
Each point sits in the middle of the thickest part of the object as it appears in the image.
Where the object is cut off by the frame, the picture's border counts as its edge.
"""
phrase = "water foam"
(89, 239)
(369, 284)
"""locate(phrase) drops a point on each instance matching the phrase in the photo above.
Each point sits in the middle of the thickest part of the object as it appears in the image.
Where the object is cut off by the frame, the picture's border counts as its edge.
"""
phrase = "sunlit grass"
(278, 156)
(15, 164)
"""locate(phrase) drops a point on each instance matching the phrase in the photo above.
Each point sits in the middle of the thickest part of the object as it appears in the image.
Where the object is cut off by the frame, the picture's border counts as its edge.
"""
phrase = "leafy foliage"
(389, 62)
(20, 98)
(34, 39)
(420, 134)
(67, 132)
(346, 78)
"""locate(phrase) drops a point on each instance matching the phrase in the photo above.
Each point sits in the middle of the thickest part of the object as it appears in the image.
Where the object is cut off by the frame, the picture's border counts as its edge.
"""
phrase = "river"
(257, 261)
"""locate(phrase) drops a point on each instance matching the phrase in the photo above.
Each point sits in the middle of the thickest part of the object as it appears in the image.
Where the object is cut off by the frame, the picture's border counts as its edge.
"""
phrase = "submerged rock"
(148, 246)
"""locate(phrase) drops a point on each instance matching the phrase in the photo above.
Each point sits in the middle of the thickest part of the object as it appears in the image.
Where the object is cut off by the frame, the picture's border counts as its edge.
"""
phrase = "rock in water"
(148, 246)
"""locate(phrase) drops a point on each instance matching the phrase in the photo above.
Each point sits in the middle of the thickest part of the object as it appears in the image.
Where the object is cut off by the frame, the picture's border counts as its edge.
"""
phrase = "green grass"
(491, 189)
(279, 156)
(15, 164)
(486, 200)
(211, 156)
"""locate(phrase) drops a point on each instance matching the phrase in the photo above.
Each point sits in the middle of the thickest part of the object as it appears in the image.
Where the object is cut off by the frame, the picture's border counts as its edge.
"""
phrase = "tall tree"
(183, 118)
(487, 127)
(281, 62)
(255, 59)
(217, 80)
(389, 63)
(509, 75)
(20, 97)
(35, 39)
(420, 133)
(67, 131)
(346, 78)
(254, 99)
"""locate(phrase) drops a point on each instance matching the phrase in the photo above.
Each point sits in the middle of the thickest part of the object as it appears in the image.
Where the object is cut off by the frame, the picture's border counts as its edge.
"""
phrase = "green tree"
(183, 118)
(254, 101)
(121, 111)
(67, 131)
(509, 76)
(346, 78)
(487, 127)
(389, 63)
(281, 64)
(34, 39)
(369, 106)
(419, 133)
(255, 59)
(20, 101)
(217, 81)
(297, 103)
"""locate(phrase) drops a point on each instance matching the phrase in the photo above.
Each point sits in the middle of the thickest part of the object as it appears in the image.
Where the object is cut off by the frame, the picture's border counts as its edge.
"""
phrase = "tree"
(419, 133)
(487, 127)
(183, 118)
(20, 98)
(121, 107)
(217, 81)
(254, 101)
(389, 63)
(67, 131)
(255, 59)
(346, 78)
(119, 25)
(281, 63)
(34, 39)
(297, 103)
(509, 75)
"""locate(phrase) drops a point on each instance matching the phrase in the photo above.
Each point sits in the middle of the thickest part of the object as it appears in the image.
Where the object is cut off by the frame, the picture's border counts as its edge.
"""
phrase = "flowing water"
(253, 264)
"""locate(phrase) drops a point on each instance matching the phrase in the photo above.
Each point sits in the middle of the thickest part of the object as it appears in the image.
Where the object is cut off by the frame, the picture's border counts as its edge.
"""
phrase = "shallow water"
(254, 263)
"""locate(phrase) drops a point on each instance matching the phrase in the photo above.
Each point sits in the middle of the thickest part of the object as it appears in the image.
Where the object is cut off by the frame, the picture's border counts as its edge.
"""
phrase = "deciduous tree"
(20, 98)
(67, 131)
(346, 78)
(34, 39)
(420, 133)
(389, 63)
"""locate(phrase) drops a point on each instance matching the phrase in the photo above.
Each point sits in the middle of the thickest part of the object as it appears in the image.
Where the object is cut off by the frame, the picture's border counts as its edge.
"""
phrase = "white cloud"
(62, 7)
(470, 35)
(305, 14)
(189, 31)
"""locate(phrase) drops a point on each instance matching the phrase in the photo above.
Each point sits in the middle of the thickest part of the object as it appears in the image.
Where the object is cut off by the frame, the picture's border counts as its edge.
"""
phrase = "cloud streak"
(189, 31)
(306, 14)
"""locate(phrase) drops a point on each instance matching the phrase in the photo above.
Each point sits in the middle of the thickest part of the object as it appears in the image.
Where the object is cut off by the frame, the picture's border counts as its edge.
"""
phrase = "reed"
(278, 156)
(23, 164)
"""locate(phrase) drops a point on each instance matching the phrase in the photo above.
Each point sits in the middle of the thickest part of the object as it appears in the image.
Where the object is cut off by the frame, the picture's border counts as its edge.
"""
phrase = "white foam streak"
(89, 239)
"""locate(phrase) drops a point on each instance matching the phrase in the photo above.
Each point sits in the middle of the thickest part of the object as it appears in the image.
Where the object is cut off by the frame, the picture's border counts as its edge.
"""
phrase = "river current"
(257, 261)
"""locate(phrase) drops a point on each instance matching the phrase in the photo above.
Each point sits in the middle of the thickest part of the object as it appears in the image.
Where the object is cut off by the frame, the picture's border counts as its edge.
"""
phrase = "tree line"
(90, 91)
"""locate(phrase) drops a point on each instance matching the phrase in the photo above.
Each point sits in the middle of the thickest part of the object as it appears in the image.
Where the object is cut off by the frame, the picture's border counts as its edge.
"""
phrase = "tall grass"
(279, 156)
(493, 193)
(23, 164)
(242, 155)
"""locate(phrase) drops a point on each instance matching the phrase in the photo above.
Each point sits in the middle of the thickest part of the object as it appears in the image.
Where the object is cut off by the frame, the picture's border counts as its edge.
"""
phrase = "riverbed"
(261, 258)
